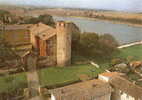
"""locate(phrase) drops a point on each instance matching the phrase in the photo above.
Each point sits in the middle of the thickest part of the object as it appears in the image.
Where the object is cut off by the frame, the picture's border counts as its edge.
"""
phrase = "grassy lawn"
(49, 76)
(56, 75)
(133, 51)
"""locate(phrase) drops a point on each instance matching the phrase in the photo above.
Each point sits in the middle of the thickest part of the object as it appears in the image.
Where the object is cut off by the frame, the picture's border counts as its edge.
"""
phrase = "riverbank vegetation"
(86, 47)
(92, 46)
(132, 20)
(45, 19)
(9, 18)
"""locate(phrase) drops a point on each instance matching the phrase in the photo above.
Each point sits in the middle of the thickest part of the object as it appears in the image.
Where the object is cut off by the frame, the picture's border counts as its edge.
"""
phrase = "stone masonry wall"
(63, 43)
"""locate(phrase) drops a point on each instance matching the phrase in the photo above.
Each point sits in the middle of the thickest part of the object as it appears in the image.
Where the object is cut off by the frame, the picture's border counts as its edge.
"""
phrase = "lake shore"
(112, 21)
(132, 19)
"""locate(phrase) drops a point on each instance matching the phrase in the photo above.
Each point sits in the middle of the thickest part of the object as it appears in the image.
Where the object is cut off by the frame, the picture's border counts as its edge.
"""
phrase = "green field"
(49, 77)
(133, 51)
(56, 75)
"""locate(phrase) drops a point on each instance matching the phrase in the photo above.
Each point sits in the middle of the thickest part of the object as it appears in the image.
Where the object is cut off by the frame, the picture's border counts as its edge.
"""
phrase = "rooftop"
(89, 89)
(111, 74)
(126, 86)
(43, 31)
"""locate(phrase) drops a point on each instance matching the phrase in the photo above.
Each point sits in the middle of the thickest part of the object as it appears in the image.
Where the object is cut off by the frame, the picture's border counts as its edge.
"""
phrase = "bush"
(46, 19)
(108, 40)
(116, 61)
(88, 44)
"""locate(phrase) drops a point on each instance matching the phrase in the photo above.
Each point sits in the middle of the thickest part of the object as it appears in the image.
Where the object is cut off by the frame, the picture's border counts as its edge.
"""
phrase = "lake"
(123, 33)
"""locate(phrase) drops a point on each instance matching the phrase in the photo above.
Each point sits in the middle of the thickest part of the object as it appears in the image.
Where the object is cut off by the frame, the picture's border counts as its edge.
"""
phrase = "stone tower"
(63, 43)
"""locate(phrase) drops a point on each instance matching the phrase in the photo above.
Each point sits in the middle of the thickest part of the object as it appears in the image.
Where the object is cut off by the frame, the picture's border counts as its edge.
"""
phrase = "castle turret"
(63, 43)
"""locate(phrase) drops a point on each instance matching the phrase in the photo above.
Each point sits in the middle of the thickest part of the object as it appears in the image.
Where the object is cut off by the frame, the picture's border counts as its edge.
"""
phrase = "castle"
(53, 44)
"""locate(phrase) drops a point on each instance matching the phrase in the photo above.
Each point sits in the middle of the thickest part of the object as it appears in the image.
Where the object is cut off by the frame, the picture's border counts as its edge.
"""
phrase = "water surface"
(122, 32)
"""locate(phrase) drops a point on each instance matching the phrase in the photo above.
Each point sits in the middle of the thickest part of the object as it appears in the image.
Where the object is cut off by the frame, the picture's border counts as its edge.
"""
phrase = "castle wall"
(42, 48)
(51, 50)
(63, 43)
(103, 97)
(17, 37)
(106, 96)
(33, 40)
(119, 95)
(48, 51)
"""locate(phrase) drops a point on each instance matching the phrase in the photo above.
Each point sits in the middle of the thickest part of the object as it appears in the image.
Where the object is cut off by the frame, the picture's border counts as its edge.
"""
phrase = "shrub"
(116, 61)
(88, 44)
(108, 40)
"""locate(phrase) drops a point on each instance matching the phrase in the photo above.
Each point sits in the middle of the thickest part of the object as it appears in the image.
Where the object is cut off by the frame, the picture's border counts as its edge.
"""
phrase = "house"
(54, 44)
(122, 88)
(87, 90)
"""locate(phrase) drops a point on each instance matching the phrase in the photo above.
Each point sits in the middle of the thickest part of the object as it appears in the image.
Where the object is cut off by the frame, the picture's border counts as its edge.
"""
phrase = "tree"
(88, 44)
(46, 19)
(93, 46)
(108, 40)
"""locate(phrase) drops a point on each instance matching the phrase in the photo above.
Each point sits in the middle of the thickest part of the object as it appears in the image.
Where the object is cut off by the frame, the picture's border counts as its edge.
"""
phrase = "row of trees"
(46, 19)
(132, 20)
(8, 18)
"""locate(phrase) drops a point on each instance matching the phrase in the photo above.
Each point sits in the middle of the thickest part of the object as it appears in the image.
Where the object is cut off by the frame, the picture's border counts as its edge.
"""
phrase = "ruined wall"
(48, 52)
(17, 37)
(103, 97)
(43, 48)
(82, 96)
(119, 95)
(33, 39)
(51, 50)
(63, 43)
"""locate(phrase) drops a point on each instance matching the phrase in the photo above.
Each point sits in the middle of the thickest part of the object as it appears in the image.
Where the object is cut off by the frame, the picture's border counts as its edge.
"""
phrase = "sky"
(122, 5)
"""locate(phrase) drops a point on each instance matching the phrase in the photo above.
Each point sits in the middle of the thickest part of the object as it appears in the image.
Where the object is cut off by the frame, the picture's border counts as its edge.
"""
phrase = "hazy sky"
(126, 5)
